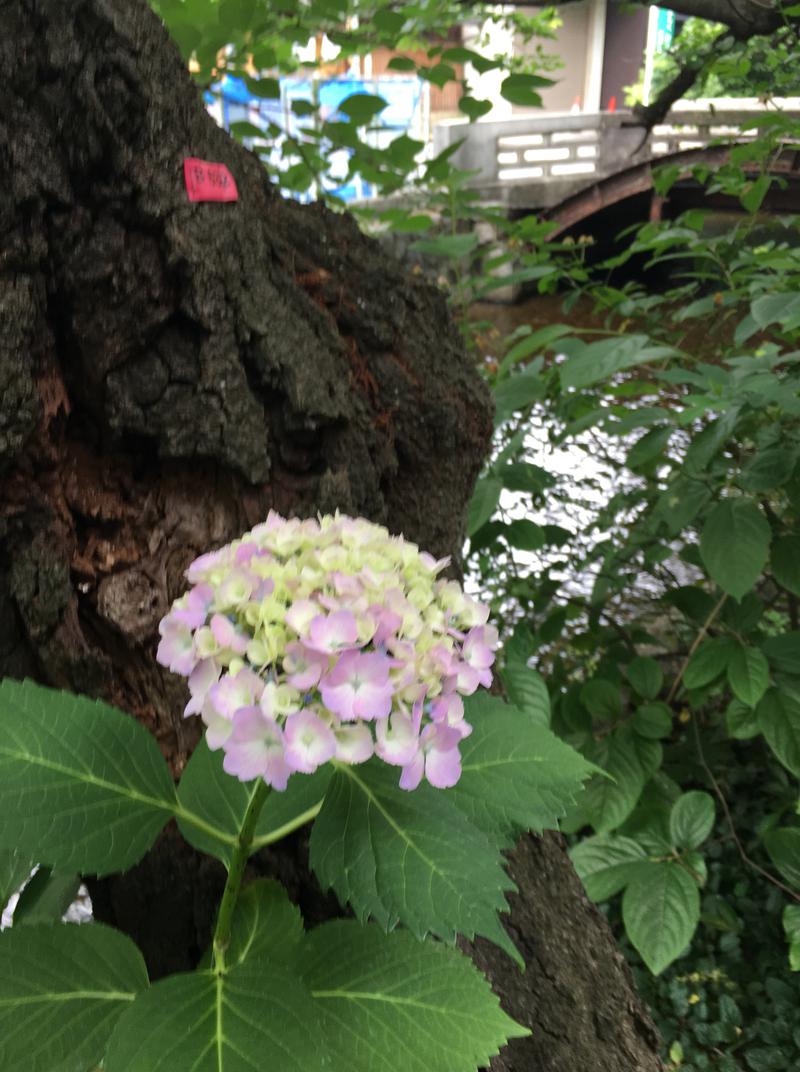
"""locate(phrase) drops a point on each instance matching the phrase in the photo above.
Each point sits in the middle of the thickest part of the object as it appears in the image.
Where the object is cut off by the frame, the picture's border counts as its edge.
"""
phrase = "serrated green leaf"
(256, 1016)
(266, 925)
(213, 804)
(785, 558)
(527, 691)
(484, 501)
(388, 1002)
(691, 819)
(783, 846)
(748, 675)
(646, 676)
(62, 989)
(734, 545)
(408, 857)
(83, 787)
(516, 774)
(754, 193)
(779, 719)
(606, 863)
(610, 800)
(661, 909)
(653, 720)
(709, 661)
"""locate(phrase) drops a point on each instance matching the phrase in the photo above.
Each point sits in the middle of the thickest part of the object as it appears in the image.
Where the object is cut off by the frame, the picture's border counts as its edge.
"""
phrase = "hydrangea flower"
(305, 642)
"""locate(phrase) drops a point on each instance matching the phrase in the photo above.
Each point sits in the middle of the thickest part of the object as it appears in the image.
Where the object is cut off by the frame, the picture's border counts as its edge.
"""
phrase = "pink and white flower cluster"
(310, 641)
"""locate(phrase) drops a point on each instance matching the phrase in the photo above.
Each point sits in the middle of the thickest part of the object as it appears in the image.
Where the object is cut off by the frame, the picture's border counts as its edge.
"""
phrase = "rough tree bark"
(169, 372)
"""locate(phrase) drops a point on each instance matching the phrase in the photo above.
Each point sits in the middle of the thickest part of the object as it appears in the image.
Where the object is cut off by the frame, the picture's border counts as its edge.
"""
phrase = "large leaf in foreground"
(389, 1002)
(213, 804)
(411, 857)
(82, 785)
(62, 989)
(255, 1017)
(516, 774)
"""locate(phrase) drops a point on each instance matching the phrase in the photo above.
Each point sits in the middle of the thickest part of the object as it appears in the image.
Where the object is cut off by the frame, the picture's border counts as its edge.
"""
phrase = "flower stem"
(241, 854)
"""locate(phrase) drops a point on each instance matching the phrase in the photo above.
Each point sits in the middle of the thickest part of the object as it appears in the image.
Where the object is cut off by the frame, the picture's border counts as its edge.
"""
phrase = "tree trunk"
(172, 370)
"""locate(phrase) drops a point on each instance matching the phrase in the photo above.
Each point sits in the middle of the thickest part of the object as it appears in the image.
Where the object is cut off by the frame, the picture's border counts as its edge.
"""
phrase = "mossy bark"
(169, 372)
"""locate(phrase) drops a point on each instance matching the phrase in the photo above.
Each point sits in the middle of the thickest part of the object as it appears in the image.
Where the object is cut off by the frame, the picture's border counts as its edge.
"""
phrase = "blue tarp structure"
(402, 94)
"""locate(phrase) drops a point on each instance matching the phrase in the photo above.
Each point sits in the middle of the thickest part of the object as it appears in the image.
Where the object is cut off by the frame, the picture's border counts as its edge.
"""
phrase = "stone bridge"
(569, 166)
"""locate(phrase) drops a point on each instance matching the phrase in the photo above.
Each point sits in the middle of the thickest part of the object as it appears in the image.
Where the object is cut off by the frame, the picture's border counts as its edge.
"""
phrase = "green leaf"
(213, 804)
(525, 535)
(709, 661)
(653, 720)
(610, 800)
(408, 857)
(521, 89)
(783, 846)
(741, 721)
(516, 774)
(661, 909)
(769, 469)
(783, 652)
(517, 392)
(266, 925)
(786, 562)
(649, 447)
(791, 928)
(523, 476)
(256, 1016)
(484, 501)
(83, 787)
(754, 193)
(388, 1002)
(606, 863)
(776, 308)
(362, 107)
(597, 362)
(527, 691)
(691, 819)
(748, 675)
(264, 88)
(402, 63)
(779, 718)
(734, 545)
(453, 247)
(473, 108)
(646, 676)
(15, 869)
(46, 897)
(62, 989)
(535, 342)
(602, 699)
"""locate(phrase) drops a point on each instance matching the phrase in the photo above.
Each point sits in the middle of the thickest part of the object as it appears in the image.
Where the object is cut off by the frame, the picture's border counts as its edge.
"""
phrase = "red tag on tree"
(208, 182)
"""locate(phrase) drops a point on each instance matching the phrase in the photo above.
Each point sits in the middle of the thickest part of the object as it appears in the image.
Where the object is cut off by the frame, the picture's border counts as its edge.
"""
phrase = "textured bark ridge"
(168, 372)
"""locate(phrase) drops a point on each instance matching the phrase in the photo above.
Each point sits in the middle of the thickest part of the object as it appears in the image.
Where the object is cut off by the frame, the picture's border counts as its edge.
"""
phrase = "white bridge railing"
(537, 161)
